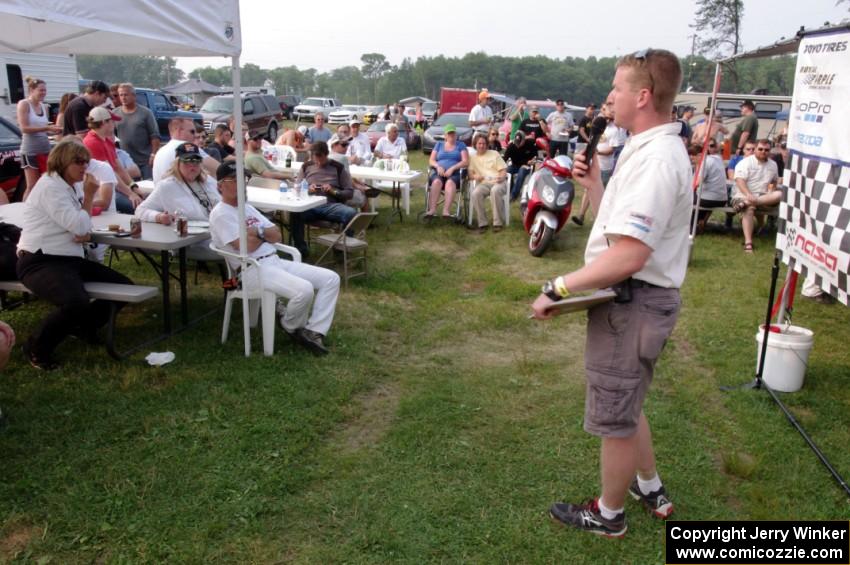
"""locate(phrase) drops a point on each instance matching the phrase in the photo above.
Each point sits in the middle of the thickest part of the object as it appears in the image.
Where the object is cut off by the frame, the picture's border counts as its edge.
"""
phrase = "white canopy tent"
(142, 27)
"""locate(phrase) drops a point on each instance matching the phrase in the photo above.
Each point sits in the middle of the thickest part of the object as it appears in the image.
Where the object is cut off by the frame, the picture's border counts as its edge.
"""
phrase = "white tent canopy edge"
(142, 27)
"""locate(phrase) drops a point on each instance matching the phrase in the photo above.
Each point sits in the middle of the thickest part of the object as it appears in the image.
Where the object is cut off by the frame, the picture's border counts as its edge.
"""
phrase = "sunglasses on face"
(81, 162)
(762, 149)
(192, 161)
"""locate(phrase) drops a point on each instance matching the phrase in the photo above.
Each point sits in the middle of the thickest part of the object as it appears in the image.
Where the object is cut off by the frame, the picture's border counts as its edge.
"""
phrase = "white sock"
(649, 486)
(606, 512)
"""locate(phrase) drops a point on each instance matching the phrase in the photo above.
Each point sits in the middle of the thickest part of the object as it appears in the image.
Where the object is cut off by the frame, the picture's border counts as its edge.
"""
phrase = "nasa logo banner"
(814, 237)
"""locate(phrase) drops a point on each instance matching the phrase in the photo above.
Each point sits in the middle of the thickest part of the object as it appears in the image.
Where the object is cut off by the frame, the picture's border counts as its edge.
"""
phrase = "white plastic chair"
(507, 200)
(258, 299)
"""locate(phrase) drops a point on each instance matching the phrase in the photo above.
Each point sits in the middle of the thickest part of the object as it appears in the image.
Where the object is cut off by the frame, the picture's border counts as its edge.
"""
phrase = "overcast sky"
(334, 33)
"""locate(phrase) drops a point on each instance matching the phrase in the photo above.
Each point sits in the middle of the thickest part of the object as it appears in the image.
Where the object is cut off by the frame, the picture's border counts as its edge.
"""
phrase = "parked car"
(347, 113)
(12, 179)
(378, 130)
(288, 102)
(261, 113)
(309, 106)
(164, 110)
(435, 133)
(372, 114)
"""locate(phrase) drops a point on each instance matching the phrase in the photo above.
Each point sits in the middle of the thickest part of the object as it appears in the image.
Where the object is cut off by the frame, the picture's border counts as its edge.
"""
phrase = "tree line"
(579, 81)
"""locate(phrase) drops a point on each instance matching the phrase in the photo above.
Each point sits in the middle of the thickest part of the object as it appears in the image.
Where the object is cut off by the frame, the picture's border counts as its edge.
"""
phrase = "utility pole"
(691, 62)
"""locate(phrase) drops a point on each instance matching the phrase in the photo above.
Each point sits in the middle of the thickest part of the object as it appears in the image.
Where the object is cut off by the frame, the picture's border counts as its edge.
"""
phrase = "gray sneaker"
(587, 517)
(312, 341)
(656, 501)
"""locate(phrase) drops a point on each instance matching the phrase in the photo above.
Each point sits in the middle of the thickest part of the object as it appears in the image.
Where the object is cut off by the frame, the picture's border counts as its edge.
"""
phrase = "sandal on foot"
(748, 248)
(740, 206)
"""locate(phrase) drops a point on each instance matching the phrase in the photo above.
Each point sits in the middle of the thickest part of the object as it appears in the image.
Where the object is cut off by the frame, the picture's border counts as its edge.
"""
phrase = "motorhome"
(772, 111)
(58, 71)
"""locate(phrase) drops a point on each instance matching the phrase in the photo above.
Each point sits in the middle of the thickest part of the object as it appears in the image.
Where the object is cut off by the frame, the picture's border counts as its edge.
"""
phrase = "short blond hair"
(657, 70)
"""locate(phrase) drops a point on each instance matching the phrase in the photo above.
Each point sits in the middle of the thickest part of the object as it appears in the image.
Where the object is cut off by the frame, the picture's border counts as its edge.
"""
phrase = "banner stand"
(758, 383)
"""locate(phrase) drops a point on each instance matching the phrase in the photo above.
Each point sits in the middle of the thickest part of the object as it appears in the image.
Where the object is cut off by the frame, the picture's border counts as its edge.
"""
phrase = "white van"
(58, 71)
(772, 111)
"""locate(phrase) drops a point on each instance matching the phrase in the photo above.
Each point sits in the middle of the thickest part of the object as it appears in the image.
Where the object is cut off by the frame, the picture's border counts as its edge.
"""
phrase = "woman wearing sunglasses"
(185, 188)
(51, 258)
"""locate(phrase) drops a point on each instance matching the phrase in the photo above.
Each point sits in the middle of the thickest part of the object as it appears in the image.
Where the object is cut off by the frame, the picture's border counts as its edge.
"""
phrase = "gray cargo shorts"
(623, 343)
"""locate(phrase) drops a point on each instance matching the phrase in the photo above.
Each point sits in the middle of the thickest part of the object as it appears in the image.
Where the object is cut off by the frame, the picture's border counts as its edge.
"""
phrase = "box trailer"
(59, 72)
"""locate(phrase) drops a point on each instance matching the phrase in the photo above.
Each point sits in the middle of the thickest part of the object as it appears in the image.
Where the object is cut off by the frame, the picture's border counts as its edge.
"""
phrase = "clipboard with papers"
(584, 302)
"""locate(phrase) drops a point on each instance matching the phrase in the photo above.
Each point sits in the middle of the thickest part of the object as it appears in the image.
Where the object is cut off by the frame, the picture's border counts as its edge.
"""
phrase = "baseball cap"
(449, 128)
(533, 108)
(353, 122)
(483, 95)
(258, 135)
(302, 130)
(226, 170)
(187, 152)
(100, 114)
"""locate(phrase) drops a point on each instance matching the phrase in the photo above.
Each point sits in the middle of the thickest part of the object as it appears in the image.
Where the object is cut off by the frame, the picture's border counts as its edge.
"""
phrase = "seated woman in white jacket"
(185, 188)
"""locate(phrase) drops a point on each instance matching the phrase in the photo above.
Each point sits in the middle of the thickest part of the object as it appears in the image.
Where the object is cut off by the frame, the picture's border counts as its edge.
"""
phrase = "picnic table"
(155, 238)
(396, 179)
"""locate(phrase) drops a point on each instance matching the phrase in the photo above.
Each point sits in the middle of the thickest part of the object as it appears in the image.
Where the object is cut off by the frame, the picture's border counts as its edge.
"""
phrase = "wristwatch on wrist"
(261, 232)
(550, 292)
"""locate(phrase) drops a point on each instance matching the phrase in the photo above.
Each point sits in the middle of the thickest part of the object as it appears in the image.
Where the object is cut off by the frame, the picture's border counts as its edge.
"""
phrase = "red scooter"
(546, 202)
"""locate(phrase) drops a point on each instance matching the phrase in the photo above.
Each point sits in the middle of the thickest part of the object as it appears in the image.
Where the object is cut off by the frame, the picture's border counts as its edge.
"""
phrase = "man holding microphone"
(639, 246)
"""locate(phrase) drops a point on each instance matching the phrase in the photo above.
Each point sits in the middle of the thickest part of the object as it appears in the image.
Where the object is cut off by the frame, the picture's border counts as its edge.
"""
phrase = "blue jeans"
(519, 174)
(334, 212)
(123, 204)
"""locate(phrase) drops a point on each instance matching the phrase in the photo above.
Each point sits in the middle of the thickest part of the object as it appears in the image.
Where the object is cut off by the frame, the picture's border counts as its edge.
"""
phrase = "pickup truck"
(309, 106)
(163, 109)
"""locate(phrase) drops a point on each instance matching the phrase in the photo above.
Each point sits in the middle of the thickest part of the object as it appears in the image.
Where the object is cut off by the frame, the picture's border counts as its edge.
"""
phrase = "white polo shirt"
(479, 113)
(756, 175)
(649, 198)
(392, 148)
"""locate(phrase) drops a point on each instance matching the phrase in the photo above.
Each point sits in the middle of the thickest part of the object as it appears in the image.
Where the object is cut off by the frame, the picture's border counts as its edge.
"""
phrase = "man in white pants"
(304, 285)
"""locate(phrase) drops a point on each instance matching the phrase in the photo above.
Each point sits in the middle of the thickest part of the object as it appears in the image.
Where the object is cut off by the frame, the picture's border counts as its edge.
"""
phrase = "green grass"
(440, 429)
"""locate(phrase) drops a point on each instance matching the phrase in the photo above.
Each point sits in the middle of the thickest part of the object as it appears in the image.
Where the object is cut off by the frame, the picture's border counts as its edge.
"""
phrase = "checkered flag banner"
(814, 227)
(814, 234)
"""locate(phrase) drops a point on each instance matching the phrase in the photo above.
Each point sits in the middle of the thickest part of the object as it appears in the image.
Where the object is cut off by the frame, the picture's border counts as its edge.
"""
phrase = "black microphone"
(597, 128)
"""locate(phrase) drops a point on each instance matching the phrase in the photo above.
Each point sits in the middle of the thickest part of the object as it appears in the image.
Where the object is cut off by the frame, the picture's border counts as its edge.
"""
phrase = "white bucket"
(786, 357)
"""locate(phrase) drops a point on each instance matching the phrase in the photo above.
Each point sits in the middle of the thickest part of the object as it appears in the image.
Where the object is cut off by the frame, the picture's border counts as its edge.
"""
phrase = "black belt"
(239, 269)
(637, 283)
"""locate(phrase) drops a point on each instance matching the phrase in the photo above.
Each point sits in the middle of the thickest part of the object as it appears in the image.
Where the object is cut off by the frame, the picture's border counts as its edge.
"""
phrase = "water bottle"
(284, 188)
(303, 189)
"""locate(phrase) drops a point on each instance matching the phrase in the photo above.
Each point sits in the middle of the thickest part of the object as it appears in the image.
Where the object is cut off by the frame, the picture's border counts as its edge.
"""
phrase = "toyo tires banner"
(814, 237)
